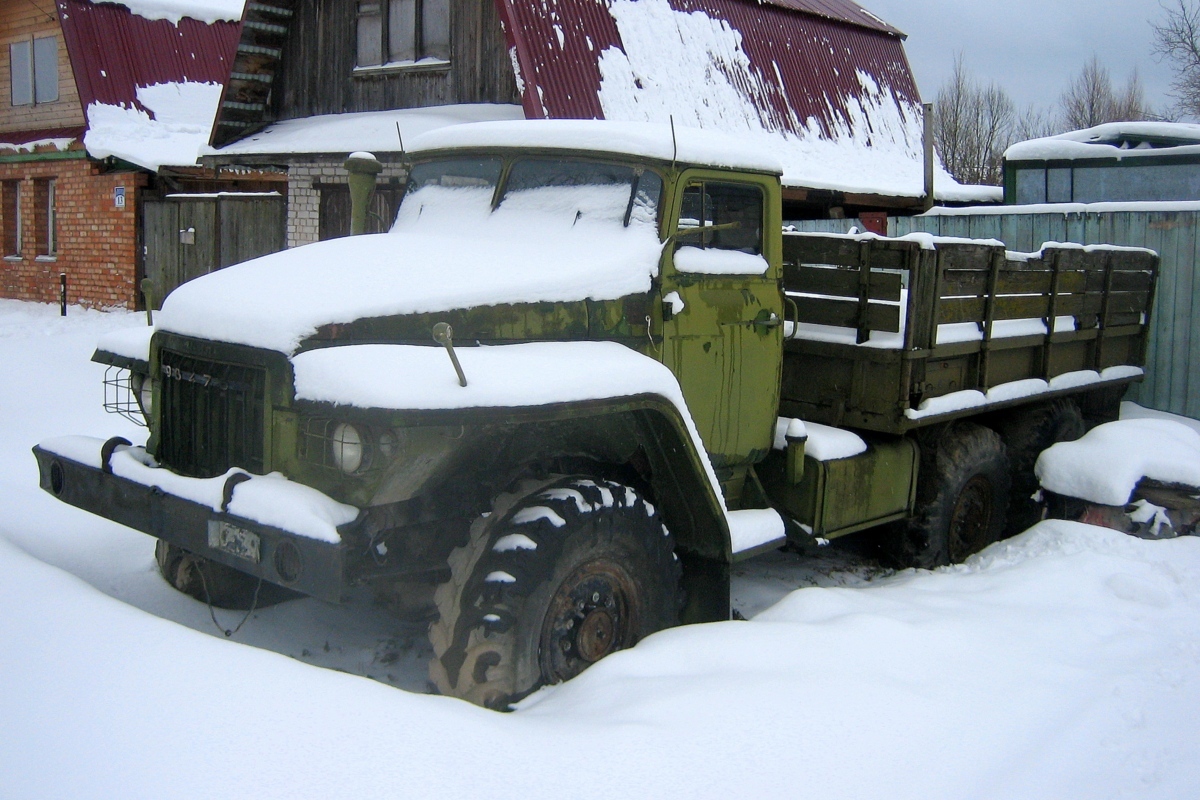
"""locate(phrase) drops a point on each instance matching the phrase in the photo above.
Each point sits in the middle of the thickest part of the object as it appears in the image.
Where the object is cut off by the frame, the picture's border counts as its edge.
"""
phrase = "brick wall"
(304, 196)
(96, 242)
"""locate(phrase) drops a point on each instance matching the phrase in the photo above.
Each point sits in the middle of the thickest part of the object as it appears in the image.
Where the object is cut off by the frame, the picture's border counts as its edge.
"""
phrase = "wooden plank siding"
(319, 74)
(1172, 381)
(22, 20)
(858, 285)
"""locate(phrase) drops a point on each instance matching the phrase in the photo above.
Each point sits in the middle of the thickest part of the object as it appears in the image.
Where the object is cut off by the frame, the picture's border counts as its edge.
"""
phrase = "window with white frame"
(402, 31)
(33, 71)
(45, 191)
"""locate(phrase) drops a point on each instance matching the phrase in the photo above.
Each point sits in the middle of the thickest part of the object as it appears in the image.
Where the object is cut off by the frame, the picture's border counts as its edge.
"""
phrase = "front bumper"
(312, 566)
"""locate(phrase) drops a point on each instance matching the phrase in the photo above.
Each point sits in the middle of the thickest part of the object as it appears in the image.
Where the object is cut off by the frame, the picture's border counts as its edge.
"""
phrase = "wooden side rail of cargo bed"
(953, 314)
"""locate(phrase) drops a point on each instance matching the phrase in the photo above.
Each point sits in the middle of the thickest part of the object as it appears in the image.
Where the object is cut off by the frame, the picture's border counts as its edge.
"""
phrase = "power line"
(49, 16)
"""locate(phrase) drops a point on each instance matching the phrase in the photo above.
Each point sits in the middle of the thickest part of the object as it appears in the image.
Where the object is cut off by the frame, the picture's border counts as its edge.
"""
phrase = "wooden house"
(823, 83)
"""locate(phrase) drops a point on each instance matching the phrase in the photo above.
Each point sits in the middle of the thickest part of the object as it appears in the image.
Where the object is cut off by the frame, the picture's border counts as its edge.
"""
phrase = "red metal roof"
(114, 51)
(805, 58)
(40, 134)
(839, 10)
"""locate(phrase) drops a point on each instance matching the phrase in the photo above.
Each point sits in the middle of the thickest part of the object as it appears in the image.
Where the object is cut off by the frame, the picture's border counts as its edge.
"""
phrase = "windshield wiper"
(637, 179)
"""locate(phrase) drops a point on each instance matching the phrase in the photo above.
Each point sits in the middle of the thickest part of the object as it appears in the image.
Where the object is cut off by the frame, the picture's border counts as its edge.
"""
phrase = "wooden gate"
(189, 235)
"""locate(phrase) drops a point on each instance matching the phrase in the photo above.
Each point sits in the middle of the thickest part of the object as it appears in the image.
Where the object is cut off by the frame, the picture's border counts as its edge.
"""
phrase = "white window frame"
(375, 29)
(40, 54)
(51, 218)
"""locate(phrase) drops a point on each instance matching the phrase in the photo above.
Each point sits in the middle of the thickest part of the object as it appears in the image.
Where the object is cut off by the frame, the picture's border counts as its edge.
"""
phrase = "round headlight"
(143, 389)
(348, 450)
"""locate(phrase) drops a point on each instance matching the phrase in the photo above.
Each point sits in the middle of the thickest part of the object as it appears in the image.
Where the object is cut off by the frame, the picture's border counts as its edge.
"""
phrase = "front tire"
(554, 578)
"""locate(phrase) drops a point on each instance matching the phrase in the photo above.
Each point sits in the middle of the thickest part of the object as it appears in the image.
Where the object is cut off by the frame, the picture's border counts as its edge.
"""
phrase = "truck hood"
(276, 301)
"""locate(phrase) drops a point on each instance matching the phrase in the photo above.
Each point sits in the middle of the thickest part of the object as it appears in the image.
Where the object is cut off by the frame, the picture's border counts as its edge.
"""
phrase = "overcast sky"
(1032, 48)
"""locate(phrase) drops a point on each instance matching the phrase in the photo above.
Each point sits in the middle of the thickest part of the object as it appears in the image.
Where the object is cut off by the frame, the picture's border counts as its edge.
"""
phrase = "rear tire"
(553, 579)
(226, 586)
(962, 495)
(1026, 433)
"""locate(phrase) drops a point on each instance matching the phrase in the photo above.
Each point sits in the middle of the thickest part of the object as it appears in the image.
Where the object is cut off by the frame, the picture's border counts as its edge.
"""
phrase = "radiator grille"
(212, 416)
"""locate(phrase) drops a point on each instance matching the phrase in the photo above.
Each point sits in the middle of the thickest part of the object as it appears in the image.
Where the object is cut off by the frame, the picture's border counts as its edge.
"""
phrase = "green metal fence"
(1173, 362)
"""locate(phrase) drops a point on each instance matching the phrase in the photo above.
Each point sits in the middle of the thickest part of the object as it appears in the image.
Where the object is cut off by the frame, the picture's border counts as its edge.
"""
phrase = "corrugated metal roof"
(806, 64)
(840, 10)
(39, 135)
(113, 51)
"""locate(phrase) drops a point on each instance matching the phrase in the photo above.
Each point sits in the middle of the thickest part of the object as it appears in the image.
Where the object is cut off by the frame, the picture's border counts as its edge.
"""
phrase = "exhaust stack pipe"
(363, 167)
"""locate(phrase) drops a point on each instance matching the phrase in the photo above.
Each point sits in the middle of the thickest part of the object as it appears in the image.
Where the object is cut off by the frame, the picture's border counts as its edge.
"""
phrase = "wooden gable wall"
(21, 20)
(319, 74)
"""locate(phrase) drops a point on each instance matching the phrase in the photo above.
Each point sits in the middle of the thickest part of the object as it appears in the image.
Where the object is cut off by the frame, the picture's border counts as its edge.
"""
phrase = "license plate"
(233, 540)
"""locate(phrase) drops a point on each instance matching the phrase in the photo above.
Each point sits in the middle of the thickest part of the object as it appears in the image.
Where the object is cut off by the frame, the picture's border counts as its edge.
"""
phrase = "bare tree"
(1178, 40)
(1035, 123)
(972, 127)
(1091, 99)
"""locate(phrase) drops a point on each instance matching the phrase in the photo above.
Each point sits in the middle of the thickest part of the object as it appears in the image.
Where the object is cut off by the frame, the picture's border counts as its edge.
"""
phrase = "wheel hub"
(972, 518)
(590, 616)
(595, 637)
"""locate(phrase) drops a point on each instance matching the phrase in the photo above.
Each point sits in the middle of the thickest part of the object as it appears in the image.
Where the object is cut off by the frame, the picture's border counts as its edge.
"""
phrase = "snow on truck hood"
(428, 266)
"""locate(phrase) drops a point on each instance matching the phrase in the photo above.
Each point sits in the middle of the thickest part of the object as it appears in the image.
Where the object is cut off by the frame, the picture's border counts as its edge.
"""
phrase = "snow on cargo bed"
(447, 250)
(1015, 390)
(1105, 465)
(514, 375)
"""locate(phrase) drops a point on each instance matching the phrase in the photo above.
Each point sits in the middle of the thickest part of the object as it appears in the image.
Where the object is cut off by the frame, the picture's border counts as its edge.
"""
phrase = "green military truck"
(585, 372)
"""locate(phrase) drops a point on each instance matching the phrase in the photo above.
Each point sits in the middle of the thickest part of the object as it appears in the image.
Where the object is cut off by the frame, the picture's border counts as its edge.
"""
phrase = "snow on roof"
(836, 104)
(948, 190)
(649, 140)
(29, 140)
(372, 131)
(1160, 206)
(1112, 140)
(170, 132)
(207, 11)
(149, 87)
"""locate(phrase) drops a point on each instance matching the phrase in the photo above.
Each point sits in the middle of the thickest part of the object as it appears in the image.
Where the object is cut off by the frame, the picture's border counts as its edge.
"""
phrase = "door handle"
(772, 320)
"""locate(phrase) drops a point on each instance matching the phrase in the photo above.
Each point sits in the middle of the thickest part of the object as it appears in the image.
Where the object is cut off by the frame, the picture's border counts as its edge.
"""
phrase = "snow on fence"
(1172, 381)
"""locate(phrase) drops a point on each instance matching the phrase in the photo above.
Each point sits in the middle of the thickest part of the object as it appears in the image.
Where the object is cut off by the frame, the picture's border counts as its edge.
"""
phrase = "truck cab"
(566, 353)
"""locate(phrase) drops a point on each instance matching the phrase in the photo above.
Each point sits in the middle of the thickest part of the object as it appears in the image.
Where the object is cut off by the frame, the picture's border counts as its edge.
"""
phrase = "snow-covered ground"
(1064, 663)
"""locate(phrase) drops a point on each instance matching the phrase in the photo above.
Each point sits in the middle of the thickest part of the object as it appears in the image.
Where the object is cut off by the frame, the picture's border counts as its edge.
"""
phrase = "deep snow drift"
(1060, 664)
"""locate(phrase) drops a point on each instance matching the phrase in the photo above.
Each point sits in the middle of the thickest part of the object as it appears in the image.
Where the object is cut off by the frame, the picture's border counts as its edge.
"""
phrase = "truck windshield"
(574, 191)
(583, 190)
(453, 185)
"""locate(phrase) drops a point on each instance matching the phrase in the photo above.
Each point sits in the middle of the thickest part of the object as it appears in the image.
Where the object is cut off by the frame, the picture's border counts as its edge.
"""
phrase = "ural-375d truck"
(586, 371)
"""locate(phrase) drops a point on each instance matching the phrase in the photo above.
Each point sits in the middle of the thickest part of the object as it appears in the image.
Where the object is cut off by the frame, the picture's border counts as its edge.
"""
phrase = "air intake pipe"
(363, 167)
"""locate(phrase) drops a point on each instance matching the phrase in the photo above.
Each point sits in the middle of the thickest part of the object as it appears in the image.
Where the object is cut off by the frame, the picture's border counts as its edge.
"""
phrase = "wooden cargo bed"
(892, 334)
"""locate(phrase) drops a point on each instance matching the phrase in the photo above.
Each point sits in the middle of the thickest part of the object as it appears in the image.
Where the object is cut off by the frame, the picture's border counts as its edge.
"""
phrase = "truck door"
(722, 311)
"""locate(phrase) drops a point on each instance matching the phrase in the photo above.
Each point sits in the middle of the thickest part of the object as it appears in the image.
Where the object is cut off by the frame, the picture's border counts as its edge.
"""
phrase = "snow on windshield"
(557, 191)
(434, 203)
(569, 203)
